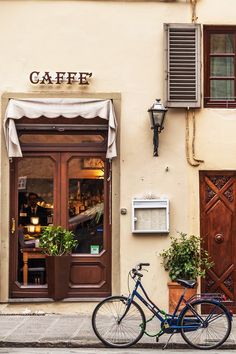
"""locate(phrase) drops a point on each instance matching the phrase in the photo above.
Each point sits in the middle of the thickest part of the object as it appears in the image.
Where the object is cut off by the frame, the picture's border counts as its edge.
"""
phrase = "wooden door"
(218, 231)
(91, 265)
(32, 173)
(75, 187)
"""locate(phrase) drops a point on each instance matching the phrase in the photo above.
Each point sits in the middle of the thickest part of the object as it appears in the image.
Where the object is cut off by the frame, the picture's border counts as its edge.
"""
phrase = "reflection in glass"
(222, 90)
(222, 66)
(35, 210)
(86, 207)
(222, 43)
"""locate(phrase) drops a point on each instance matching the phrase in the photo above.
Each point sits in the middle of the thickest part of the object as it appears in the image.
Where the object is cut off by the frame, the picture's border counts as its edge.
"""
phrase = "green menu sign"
(94, 249)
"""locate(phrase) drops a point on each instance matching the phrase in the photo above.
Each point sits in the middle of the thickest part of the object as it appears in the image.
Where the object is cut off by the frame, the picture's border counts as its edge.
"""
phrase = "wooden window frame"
(208, 30)
(63, 126)
(88, 146)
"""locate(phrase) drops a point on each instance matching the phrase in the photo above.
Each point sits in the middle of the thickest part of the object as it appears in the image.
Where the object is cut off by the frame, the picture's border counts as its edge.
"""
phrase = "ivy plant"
(57, 241)
(185, 258)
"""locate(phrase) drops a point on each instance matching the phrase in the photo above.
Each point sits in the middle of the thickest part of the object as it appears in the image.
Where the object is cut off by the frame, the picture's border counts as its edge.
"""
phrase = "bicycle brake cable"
(129, 276)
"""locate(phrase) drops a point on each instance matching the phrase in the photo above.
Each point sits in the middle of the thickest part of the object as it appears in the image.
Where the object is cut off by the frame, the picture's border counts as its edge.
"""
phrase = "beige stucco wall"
(122, 44)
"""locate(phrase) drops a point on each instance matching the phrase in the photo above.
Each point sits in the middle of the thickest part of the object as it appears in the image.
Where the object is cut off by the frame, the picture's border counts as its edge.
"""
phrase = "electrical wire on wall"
(193, 138)
(192, 160)
(187, 141)
(196, 162)
(193, 4)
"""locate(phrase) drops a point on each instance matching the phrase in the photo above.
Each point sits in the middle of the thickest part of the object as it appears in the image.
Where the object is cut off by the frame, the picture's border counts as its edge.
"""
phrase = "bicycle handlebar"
(136, 273)
(139, 267)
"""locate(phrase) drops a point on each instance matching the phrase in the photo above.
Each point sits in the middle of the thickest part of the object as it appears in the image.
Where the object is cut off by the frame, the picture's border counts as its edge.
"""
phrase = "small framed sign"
(94, 249)
(22, 181)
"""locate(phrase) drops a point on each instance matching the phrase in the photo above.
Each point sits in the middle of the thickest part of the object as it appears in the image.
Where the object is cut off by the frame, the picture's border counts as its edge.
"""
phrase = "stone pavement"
(67, 330)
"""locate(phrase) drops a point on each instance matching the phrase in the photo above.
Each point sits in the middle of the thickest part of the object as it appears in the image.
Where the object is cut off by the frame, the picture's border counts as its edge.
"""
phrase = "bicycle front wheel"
(108, 327)
(207, 324)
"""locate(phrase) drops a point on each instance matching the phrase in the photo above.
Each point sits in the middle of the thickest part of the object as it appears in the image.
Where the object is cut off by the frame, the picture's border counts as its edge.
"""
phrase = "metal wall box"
(150, 216)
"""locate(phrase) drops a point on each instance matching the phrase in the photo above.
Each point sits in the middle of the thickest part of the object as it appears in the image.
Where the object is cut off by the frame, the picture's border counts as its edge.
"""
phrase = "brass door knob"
(219, 238)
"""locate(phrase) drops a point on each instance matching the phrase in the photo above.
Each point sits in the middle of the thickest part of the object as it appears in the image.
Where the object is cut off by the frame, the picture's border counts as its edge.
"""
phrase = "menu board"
(150, 216)
(151, 219)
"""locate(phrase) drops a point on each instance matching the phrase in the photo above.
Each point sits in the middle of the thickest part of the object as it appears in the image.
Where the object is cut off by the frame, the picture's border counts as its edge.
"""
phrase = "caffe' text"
(59, 77)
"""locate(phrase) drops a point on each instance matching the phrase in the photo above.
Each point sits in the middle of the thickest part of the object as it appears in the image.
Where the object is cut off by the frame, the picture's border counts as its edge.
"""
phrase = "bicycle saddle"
(187, 283)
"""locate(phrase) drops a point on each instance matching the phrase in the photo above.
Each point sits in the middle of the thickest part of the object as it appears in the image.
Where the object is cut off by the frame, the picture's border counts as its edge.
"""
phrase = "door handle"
(219, 238)
(13, 225)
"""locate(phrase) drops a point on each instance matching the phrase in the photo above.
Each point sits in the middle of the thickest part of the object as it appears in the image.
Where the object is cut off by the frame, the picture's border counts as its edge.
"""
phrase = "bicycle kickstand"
(168, 340)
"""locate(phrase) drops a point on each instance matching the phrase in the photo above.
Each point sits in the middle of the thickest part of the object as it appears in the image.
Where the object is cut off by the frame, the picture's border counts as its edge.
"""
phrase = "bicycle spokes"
(213, 329)
(117, 323)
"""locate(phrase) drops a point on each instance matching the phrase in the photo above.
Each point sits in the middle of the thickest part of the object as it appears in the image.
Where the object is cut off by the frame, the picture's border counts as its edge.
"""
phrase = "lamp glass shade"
(34, 220)
(157, 114)
(158, 118)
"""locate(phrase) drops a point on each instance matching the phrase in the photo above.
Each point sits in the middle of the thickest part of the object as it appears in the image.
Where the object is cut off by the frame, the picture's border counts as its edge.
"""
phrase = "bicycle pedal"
(157, 339)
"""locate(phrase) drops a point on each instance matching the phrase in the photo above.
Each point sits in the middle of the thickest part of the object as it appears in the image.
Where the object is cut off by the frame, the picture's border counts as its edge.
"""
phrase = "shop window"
(219, 57)
(35, 192)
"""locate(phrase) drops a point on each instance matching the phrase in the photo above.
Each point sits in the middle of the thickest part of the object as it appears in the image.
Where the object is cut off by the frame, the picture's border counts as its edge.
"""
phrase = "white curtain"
(53, 108)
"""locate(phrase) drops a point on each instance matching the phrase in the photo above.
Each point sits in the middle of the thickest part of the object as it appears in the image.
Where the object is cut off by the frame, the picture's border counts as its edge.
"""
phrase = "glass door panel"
(35, 210)
(86, 204)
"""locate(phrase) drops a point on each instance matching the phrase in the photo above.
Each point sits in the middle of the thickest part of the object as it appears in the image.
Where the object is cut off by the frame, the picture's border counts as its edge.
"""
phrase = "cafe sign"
(59, 77)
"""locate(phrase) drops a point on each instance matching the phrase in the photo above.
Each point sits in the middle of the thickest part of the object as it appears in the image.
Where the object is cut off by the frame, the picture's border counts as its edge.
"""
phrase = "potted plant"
(57, 243)
(184, 259)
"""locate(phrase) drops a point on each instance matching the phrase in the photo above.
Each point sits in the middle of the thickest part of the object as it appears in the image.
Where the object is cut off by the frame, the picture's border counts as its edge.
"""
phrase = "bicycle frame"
(169, 322)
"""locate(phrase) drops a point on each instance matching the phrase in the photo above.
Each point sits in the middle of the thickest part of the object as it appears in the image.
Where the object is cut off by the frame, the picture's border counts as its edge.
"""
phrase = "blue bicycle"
(204, 322)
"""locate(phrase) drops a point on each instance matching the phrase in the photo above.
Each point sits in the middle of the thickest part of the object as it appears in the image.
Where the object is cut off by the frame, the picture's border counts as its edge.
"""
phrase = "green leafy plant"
(185, 258)
(56, 241)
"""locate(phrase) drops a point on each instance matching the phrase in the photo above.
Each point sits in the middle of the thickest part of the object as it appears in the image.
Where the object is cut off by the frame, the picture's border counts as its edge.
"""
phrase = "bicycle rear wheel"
(205, 331)
(106, 325)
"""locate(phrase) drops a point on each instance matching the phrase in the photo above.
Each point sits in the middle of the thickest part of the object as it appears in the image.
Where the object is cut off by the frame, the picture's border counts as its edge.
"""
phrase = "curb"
(89, 344)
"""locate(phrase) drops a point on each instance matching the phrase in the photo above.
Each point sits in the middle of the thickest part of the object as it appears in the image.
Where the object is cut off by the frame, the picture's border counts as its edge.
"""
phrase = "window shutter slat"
(182, 65)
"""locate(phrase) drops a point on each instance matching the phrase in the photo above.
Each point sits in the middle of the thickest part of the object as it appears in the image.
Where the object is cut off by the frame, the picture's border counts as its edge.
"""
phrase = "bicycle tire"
(118, 335)
(215, 329)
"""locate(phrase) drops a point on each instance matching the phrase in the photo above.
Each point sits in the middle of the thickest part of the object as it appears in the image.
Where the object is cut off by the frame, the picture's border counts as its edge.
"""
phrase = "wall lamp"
(157, 116)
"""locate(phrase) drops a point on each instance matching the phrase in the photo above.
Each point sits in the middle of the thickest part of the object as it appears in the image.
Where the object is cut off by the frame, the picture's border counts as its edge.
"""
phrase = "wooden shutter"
(182, 47)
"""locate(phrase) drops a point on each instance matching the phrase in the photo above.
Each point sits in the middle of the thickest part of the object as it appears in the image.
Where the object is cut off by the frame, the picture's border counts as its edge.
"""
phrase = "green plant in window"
(57, 241)
(185, 258)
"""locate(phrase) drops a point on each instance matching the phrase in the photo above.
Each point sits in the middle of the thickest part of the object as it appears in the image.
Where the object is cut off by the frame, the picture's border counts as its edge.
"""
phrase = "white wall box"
(150, 216)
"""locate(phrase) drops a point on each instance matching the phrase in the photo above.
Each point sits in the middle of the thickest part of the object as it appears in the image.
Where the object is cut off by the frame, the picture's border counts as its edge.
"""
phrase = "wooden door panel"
(220, 240)
(88, 274)
(218, 231)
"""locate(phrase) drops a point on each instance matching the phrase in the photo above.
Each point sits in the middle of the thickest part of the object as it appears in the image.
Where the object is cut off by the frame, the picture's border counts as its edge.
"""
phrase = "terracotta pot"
(175, 291)
(58, 276)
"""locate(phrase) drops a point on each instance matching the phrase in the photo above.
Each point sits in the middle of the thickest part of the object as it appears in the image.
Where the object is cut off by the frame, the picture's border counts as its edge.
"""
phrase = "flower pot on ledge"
(175, 291)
